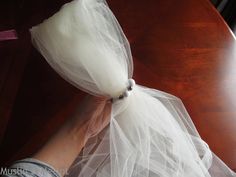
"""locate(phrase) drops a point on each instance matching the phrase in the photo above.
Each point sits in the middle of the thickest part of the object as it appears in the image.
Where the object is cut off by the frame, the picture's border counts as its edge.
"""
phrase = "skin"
(92, 115)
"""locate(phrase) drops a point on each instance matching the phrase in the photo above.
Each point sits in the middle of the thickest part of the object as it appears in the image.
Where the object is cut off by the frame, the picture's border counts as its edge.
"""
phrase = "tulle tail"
(150, 135)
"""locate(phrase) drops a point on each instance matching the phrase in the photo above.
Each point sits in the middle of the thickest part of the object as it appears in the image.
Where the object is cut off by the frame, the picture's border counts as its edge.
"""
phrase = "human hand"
(91, 116)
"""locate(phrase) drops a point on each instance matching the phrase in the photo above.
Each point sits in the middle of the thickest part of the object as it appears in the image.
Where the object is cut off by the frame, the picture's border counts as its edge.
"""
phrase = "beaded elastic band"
(126, 93)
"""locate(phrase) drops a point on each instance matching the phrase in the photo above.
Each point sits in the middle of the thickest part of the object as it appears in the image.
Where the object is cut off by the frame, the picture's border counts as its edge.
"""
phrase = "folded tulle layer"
(150, 133)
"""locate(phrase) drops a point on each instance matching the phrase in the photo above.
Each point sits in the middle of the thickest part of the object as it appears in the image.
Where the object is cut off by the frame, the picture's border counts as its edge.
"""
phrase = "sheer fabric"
(150, 133)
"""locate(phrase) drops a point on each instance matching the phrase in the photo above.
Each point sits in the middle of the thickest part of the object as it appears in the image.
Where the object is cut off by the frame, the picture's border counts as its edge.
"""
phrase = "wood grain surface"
(180, 47)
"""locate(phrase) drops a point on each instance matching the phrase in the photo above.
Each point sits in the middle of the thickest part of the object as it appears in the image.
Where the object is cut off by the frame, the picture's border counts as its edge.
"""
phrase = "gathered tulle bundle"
(150, 133)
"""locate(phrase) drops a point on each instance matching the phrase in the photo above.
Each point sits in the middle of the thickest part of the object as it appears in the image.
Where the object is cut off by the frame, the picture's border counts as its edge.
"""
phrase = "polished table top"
(180, 47)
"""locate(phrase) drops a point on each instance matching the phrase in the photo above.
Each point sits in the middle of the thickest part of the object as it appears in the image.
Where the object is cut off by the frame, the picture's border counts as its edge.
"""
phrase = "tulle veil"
(150, 133)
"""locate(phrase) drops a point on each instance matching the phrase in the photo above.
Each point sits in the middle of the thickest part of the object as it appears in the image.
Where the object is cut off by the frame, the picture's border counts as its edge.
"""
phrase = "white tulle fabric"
(150, 133)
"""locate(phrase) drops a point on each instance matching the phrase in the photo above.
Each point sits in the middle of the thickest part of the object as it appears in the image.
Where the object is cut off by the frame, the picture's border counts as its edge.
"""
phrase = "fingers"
(93, 115)
(106, 114)
(99, 105)
(100, 120)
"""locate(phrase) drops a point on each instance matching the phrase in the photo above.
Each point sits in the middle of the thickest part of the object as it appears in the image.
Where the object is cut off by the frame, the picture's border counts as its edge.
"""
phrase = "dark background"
(227, 8)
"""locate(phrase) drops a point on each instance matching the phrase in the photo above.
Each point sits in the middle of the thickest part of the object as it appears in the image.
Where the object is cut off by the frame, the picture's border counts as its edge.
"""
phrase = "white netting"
(150, 133)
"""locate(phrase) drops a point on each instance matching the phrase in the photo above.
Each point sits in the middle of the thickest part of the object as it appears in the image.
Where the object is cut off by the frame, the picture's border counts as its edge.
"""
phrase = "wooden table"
(181, 47)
